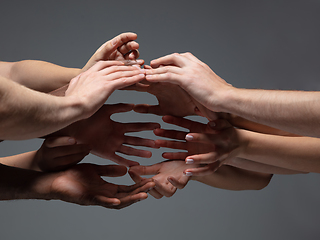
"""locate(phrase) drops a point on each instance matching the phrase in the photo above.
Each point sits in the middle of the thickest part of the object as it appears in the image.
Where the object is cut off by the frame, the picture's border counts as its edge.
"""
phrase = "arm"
(81, 184)
(25, 113)
(45, 77)
(170, 176)
(207, 144)
(38, 75)
(293, 111)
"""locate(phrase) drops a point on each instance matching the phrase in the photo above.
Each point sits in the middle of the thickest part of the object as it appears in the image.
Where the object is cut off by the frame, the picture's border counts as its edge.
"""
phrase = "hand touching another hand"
(168, 176)
(106, 137)
(58, 153)
(194, 76)
(205, 144)
(120, 48)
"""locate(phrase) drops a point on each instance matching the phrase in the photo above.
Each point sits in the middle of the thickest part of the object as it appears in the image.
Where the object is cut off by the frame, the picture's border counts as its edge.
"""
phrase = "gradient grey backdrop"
(252, 44)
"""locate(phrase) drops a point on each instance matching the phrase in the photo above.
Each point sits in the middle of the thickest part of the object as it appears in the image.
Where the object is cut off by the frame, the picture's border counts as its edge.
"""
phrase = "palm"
(82, 184)
(107, 137)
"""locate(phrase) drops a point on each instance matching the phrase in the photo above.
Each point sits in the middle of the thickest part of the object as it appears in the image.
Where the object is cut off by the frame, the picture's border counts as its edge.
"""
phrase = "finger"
(153, 192)
(139, 126)
(134, 176)
(111, 170)
(185, 123)
(175, 155)
(131, 199)
(172, 59)
(104, 201)
(117, 108)
(181, 183)
(65, 151)
(146, 170)
(134, 152)
(166, 74)
(59, 141)
(203, 171)
(146, 108)
(203, 158)
(107, 48)
(64, 162)
(144, 186)
(133, 55)
(122, 161)
(128, 47)
(219, 124)
(102, 65)
(171, 144)
(117, 72)
(203, 138)
(173, 134)
(125, 81)
(165, 189)
(137, 141)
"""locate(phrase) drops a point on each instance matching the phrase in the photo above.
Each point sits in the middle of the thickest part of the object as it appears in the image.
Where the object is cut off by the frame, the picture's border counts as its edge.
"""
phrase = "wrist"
(222, 99)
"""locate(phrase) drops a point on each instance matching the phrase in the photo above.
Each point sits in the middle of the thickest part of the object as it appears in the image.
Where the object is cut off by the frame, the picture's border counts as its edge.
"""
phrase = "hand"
(105, 137)
(168, 176)
(194, 76)
(172, 99)
(205, 144)
(92, 88)
(83, 185)
(121, 47)
(58, 153)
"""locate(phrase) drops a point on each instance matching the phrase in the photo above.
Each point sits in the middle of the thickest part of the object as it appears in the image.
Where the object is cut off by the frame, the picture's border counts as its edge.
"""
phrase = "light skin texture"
(169, 176)
(283, 154)
(46, 77)
(172, 99)
(27, 114)
(292, 111)
(81, 184)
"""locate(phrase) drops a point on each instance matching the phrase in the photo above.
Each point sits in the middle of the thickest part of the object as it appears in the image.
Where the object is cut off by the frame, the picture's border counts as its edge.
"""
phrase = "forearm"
(292, 111)
(16, 183)
(231, 178)
(298, 154)
(25, 113)
(23, 160)
(38, 75)
(259, 167)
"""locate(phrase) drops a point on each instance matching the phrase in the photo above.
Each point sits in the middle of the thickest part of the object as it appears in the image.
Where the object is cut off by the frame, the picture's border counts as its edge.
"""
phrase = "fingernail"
(189, 161)
(212, 124)
(141, 75)
(71, 141)
(188, 174)
(189, 137)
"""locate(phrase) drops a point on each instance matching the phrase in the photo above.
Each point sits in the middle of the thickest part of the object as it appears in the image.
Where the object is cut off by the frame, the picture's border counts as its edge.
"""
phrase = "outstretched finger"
(139, 126)
(174, 155)
(173, 134)
(146, 108)
(172, 59)
(185, 123)
(111, 170)
(172, 144)
(117, 108)
(134, 152)
(122, 161)
(203, 158)
(137, 141)
(203, 171)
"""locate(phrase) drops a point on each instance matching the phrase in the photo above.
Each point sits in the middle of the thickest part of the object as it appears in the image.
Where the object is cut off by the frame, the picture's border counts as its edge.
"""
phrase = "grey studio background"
(252, 44)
